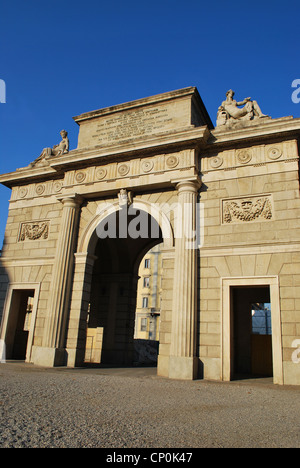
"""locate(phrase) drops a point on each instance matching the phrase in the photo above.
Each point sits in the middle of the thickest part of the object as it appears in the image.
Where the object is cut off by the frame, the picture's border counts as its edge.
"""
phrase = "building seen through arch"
(149, 296)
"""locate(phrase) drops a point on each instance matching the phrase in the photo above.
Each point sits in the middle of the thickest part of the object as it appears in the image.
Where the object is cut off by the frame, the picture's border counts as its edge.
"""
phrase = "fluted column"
(183, 360)
(53, 351)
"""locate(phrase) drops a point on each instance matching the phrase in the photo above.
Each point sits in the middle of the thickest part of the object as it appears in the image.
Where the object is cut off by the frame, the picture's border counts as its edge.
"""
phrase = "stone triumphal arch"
(223, 204)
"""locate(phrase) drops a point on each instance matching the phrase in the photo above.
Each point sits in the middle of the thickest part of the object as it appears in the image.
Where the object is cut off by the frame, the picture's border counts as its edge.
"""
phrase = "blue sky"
(62, 58)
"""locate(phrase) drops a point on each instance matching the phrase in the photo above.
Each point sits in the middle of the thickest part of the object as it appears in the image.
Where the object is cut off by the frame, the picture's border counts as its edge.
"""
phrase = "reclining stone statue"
(57, 150)
(230, 110)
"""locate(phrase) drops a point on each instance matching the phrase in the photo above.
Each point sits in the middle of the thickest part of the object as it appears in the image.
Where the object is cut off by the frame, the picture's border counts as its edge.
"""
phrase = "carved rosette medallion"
(147, 166)
(40, 189)
(247, 210)
(274, 153)
(38, 230)
(244, 156)
(101, 173)
(172, 162)
(216, 162)
(23, 192)
(57, 186)
(80, 177)
(123, 169)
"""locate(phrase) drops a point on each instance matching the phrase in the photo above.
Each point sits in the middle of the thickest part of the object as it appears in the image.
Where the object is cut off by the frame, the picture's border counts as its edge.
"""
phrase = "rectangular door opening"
(19, 322)
(252, 332)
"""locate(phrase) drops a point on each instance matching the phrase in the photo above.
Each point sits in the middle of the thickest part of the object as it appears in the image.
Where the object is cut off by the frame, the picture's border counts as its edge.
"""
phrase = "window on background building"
(146, 283)
(145, 302)
(147, 263)
(144, 323)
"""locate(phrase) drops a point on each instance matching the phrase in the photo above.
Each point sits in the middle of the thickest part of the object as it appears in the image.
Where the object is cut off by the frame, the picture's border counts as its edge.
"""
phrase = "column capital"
(188, 185)
(73, 200)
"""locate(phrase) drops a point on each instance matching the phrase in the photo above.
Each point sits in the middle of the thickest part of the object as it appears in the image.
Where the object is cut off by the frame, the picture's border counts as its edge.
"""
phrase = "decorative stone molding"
(244, 156)
(35, 230)
(274, 153)
(172, 161)
(255, 156)
(147, 166)
(80, 177)
(57, 186)
(247, 210)
(23, 192)
(87, 177)
(123, 169)
(101, 173)
(216, 162)
(40, 189)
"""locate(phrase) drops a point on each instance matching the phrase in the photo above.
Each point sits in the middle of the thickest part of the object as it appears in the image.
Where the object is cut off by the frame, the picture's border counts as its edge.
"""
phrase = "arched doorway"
(118, 244)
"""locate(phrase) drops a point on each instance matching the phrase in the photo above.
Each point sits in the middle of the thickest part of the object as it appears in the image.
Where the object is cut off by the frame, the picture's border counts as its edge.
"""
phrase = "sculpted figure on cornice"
(231, 111)
(57, 150)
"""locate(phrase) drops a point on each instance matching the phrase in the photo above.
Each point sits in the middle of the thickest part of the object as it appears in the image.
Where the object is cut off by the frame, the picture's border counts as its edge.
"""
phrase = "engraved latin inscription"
(131, 124)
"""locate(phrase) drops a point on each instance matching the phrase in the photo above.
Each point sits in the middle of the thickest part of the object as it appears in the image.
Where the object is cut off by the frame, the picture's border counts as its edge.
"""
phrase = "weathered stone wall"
(29, 248)
(253, 244)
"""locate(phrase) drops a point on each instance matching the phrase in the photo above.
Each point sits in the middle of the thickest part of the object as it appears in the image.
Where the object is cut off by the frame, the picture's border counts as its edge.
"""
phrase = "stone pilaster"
(53, 351)
(76, 340)
(183, 362)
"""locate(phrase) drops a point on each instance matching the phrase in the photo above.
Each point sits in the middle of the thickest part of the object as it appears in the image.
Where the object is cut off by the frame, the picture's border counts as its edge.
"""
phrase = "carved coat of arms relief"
(247, 210)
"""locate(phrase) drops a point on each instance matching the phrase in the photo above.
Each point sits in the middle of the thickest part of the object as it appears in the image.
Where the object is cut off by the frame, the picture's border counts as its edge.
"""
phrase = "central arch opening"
(123, 239)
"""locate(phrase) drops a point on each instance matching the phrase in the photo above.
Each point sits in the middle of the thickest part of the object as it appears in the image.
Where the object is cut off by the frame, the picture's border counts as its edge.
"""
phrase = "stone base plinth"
(183, 368)
(48, 357)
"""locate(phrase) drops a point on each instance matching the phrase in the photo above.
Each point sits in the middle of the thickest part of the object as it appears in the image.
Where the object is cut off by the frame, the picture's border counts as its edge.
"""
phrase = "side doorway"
(252, 332)
(251, 328)
(18, 322)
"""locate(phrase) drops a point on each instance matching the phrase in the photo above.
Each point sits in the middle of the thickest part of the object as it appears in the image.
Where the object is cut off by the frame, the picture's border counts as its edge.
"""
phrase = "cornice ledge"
(24, 174)
(269, 128)
(197, 135)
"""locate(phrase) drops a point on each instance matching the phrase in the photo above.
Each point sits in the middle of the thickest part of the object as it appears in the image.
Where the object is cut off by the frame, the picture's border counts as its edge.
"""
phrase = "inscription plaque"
(131, 124)
(136, 120)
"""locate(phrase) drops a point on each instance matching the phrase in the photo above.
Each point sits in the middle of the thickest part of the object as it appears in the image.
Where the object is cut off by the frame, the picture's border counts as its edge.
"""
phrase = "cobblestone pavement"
(132, 408)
